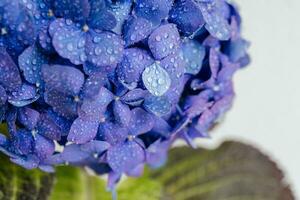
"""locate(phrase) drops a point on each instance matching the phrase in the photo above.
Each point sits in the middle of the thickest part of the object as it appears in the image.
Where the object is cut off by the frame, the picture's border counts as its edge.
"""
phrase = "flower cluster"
(111, 84)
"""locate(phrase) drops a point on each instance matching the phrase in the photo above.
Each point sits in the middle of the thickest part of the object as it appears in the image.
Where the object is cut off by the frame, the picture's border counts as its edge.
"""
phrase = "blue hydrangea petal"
(30, 63)
(141, 122)
(90, 69)
(214, 62)
(72, 153)
(195, 105)
(29, 162)
(159, 106)
(95, 147)
(134, 97)
(228, 69)
(24, 96)
(121, 10)
(237, 49)
(104, 49)
(56, 26)
(134, 62)
(122, 113)
(69, 41)
(65, 79)
(102, 20)
(112, 133)
(165, 40)
(45, 40)
(153, 10)
(23, 142)
(47, 127)
(187, 16)
(156, 153)
(93, 84)
(156, 79)
(125, 156)
(193, 55)
(10, 77)
(83, 130)
(96, 107)
(3, 96)
(28, 117)
(136, 29)
(43, 147)
(46, 168)
(174, 64)
(55, 159)
(216, 23)
(64, 105)
(77, 10)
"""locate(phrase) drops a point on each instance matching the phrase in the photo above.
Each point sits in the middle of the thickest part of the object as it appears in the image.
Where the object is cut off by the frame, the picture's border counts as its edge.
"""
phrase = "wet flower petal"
(125, 157)
(28, 117)
(95, 146)
(30, 62)
(156, 79)
(104, 49)
(134, 97)
(112, 133)
(24, 96)
(72, 153)
(159, 106)
(69, 42)
(83, 130)
(43, 147)
(165, 40)
(121, 10)
(3, 96)
(122, 113)
(141, 122)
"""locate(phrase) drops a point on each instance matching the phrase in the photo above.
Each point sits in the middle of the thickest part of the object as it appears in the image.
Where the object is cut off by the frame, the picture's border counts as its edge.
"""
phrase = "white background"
(266, 110)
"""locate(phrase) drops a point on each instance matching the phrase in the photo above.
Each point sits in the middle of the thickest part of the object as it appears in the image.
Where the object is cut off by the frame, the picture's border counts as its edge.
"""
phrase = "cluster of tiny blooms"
(111, 84)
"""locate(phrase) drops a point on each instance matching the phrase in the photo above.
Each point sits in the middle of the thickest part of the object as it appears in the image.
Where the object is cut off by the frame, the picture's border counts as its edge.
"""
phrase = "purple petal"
(187, 16)
(3, 96)
(122, 113)
(90, 69)
(136, 29)
(134, 97)
(228, 69)
(95, 146)
(102, 20)
(141, 122)
(28, 117)
(237, 49)
(165, 40)
(125, 157)
(9, 74)
(93, 84)
(73, 153)
(174, 65)
(77, 10)
(83, 130)
(69, 42)
(45, 40)
(121, 10)
(161, 126)
(48, 128)
(23, 142)
(43, 147)
(25, 95)
(65, 79)
(193, 55)
(30, 63)
(153, 10)
(65, 106)
(46, 168)
(156, 153)
(214, 62)
(55, 159)
(112, 133)
(156, 79)
(195, 105)
(137, 171)
(134, 62)
(216, 23)
(96, 107)
(30, 162)
(159, 106)
(104, 49)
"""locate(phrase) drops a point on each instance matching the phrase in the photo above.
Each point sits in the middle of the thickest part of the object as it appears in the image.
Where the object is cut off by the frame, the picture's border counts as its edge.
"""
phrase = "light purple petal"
(136, 29)
(24, 96)
(43, 147)
(104, 49)
(125, 157)
(10, 77)
(73, 153)
(112, 133)
(165, 40)
(141, 122)
(30, 63)
(134, 97)
(93, 85)
(122, 113)
(30, 162)
(95, 146)
(28, 117)
(69, 42)
(159, 106)
(83, 130)
(3, 96)
(65, 79)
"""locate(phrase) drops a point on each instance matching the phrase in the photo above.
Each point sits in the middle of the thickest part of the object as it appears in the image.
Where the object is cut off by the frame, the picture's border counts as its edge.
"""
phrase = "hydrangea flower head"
(110, 85)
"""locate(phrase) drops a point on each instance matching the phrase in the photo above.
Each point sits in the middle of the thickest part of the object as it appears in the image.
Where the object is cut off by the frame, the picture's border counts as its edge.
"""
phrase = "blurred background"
(266, 111)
